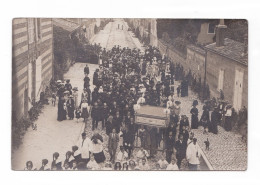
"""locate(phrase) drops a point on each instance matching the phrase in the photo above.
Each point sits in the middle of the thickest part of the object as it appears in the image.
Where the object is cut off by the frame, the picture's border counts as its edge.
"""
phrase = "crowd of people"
(125, 80)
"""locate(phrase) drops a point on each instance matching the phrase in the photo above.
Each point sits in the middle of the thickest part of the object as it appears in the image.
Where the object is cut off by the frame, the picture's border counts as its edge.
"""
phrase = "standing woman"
(61, 110)
(228, 118)
(75, 96)
(213, 124)
(194, 115)
(84, 110)
(70, 107)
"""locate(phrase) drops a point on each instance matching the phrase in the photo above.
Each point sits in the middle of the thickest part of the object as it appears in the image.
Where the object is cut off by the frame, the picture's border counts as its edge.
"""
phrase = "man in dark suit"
(180, 147)
(112, 144)
(95, 77)
(169, 146)
(86, 69)
(116, 122)
(95, 116)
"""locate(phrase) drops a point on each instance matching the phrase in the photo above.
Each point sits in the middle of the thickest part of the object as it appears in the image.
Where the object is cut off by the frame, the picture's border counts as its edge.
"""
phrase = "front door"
(238, 90)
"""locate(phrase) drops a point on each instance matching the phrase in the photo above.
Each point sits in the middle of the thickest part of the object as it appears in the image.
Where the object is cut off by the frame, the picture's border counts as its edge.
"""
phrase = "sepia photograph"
(129, 94)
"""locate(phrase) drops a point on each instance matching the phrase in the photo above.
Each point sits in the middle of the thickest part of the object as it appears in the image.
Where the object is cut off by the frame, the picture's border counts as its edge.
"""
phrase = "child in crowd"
(142, 154)
(53, 99)
(163, 163)
(122, 155)
(92, 164)
(77, 114)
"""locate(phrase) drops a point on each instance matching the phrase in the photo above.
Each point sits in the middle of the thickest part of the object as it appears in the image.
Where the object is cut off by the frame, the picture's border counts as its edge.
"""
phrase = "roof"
(231, 49)
(197, 49)
(66, 24)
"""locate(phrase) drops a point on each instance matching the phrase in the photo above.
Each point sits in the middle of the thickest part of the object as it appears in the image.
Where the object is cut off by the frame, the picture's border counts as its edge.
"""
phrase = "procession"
(125, 81)
(130, 94)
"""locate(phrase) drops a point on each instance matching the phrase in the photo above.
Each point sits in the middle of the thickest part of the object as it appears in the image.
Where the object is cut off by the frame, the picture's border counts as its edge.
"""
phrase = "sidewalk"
(227, 150)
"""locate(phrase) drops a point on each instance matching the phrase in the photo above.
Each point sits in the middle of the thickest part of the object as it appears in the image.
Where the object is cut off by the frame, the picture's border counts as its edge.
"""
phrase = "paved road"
(112, 35)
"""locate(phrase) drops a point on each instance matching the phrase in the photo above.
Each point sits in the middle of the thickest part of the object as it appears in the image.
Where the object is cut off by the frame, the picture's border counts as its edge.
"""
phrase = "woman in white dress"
(75, 96)
(84, 110)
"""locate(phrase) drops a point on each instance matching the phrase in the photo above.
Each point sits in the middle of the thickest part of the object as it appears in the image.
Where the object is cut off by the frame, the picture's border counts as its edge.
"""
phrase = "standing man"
(193, 155)
(86, 81)
(85, 146)
(169, 146)
(180, 150)
(95, 116)
(112, 144)
(86, 69)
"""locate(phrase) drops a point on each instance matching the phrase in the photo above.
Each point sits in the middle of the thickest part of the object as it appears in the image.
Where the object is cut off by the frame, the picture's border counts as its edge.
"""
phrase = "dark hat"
(68, 80)
(83, 134)
(195, 102)
(177, 102)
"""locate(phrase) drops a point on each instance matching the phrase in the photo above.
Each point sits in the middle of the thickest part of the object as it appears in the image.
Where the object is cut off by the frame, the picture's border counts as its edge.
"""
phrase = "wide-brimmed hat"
(59, 81)
(70, 96)
(66, 92)
(75, 89)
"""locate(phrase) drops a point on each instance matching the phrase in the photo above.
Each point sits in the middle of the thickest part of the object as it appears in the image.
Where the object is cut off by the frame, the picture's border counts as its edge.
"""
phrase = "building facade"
(227, 70)
(207, 33)
(32, 61)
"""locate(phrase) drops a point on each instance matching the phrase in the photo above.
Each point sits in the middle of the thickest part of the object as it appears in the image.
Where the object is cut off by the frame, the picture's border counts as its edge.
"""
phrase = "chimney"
(220, 33)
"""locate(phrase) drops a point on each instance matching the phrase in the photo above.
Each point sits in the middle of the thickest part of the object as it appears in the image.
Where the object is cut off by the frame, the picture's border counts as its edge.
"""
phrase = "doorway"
(238, 89)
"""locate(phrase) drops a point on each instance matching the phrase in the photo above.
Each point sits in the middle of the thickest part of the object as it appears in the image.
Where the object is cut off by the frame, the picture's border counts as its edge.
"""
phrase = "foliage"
(64, 51)
(19, 127)
(236, 29)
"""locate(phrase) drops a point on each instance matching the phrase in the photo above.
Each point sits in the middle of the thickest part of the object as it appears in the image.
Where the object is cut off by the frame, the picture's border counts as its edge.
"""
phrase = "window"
(211, 28)
(221, 79)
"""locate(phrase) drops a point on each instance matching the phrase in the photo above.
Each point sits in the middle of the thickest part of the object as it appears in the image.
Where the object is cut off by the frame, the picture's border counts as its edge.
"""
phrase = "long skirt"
(99, 157)
(71, 113)
(228, 123)
(194, 122)
(85, 113)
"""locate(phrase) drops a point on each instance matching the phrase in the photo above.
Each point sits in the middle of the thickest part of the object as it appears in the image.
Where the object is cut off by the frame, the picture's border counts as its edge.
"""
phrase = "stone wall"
(217, 62)
(196, 63)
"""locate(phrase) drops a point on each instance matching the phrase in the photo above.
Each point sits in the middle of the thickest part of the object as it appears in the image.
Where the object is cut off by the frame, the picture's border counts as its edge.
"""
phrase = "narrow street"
(53, 136)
